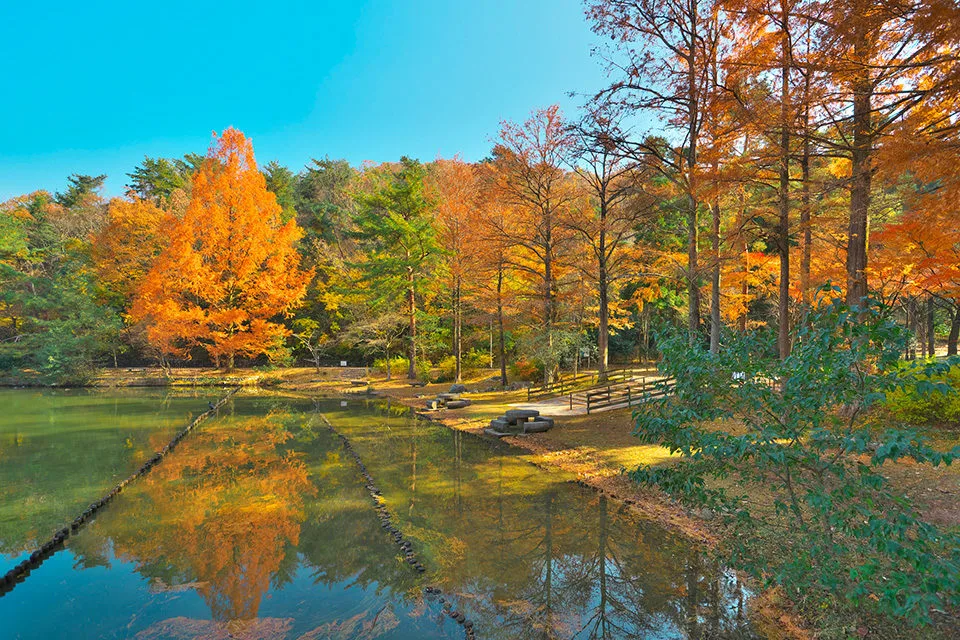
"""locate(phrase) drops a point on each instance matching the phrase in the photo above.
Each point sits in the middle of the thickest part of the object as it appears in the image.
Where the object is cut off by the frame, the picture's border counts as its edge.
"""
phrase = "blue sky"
(93, 87)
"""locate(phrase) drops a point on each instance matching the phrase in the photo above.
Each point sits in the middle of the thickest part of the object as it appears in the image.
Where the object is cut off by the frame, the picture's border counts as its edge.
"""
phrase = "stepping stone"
(458, 404)
(493, 432)
(458, 388)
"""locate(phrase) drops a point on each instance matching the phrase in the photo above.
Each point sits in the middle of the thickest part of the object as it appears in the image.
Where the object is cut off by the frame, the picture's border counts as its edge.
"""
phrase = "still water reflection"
(259, 527)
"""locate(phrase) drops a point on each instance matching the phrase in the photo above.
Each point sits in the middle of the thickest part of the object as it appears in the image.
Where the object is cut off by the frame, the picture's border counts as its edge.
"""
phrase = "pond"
(259, 526)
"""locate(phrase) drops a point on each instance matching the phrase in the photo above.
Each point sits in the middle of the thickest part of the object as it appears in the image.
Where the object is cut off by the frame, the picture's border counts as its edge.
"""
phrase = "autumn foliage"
(231, 268)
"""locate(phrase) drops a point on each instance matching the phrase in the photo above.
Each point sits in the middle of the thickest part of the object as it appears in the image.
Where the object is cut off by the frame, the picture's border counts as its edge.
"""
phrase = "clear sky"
(92, 87)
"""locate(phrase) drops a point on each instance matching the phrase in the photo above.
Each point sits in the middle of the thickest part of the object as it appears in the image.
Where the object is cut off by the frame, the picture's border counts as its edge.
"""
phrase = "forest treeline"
(743, 154)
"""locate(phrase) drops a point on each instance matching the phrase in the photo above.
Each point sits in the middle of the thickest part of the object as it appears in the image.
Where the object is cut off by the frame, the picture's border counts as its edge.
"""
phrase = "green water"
(259, 526)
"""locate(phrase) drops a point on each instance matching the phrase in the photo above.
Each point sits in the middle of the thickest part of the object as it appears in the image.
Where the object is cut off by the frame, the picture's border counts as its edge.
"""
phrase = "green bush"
(803, 433)
(398, 365)
(470, 363)
(918, 407)
(424, 369)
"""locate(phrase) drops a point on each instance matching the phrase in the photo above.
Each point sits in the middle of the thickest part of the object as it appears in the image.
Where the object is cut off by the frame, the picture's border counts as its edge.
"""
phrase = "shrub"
(913, 406)
(525, 369)
(398, 365)
(470, 363)
(424, 369)
(447, 369)
(807, 438)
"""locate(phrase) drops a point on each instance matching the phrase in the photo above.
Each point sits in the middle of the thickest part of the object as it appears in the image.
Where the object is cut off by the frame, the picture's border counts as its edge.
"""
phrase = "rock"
(458, 404)
(458, 388)
(704, 514)
(493, 432)
(499, 424)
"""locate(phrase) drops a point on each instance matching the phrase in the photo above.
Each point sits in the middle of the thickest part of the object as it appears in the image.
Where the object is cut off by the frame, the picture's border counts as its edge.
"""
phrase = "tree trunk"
(693, 287)
(603, 292)
(502, 345)
(744, 288)
(912, 328)
(715, 279)
(860, 178)
(805, 226)
(954, 332)
(457, 320)
(693, 132)
(921, 322)
(490, 351)
(412, 311)
(783, 231)
(548, 313)
(931, 327)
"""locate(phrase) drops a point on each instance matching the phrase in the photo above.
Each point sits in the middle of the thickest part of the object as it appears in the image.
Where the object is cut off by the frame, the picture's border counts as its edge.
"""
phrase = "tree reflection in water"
(530, 556)
(222, 514)
(266, 501)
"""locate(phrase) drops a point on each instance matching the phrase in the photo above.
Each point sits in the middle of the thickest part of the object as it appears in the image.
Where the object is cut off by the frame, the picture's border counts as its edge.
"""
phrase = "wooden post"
(571, 402)
(629, 398)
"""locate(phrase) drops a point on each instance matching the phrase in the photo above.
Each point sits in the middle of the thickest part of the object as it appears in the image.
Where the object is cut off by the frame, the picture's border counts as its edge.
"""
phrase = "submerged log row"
(406, 547)
(20, 572)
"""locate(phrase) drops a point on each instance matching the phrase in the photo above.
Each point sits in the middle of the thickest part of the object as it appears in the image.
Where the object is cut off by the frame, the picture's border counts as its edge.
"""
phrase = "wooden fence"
(627, 394)
(581, 381)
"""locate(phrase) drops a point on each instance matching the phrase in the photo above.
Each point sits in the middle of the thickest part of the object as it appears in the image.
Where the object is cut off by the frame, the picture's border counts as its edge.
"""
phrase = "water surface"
(258, 526)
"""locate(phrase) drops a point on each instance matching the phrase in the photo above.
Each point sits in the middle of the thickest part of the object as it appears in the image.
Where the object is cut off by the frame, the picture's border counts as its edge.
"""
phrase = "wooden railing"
(627, 394)
(582, 381)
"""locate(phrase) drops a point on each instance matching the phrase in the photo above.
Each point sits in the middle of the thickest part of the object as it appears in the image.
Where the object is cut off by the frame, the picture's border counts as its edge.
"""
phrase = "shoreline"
(771, 615)
(767, 612)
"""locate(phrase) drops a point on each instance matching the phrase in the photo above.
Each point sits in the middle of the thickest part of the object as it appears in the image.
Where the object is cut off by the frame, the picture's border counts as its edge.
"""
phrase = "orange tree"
(231, 268)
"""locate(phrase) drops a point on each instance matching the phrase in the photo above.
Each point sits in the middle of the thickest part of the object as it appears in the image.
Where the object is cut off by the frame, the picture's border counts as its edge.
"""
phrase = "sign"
(343, 363)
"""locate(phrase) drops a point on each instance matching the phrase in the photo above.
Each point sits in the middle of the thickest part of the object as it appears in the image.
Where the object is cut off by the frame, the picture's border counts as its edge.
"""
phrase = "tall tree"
(458, 192)
(609, 217)
(888, 58)
(231, 266)
(394, 221)
(80, 186)
(156, 179)
(282, 182)
(530, 160)
(662, 53)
